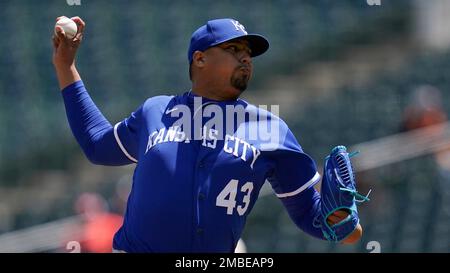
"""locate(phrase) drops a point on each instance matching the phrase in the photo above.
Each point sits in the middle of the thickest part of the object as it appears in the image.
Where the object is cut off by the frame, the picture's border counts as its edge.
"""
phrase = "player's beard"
(239, 79)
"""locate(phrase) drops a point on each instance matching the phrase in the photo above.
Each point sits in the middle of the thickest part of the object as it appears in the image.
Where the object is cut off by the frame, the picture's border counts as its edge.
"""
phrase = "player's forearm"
(303, 208)
(66, 75)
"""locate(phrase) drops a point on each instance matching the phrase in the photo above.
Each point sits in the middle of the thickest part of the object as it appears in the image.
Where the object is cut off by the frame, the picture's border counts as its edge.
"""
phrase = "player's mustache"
(244, 67)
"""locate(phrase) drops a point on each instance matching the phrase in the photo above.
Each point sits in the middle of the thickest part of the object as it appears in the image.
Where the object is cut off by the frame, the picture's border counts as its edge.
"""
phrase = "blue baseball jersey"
(192, 194)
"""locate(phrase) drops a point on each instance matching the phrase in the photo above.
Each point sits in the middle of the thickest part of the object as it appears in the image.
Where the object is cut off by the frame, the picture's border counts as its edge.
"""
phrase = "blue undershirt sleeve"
(303, 209)
(91, 129)
(292, 179)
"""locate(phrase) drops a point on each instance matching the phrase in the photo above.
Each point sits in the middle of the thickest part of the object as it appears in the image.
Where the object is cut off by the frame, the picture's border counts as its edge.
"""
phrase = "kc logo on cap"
(239, 26)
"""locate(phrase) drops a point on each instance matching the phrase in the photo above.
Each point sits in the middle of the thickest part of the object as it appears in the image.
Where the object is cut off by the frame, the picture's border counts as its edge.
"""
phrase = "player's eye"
(232, 48)
(235, 49)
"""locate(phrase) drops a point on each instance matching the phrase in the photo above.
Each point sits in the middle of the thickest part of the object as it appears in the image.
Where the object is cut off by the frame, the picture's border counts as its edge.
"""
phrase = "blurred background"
(371, 75)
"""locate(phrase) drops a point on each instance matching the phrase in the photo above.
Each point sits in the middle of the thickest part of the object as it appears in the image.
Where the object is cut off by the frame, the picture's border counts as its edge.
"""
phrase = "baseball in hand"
(68, 25)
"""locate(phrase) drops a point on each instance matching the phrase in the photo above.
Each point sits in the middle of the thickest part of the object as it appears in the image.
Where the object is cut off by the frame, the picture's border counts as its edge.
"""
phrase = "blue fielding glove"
(338, 192)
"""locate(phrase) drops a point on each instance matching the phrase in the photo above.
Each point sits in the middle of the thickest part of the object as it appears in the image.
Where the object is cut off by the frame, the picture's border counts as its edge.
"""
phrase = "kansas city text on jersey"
(231, 145)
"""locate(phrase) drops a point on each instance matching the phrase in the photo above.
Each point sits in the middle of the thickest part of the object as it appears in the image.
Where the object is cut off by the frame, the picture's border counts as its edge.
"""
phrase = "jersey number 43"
(227, 197)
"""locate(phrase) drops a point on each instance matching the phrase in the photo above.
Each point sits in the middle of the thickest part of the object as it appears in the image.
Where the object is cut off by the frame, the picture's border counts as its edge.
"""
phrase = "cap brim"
(257, 43)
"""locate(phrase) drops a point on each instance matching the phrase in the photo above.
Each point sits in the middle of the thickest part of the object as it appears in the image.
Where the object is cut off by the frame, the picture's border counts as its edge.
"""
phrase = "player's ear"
(198, 58)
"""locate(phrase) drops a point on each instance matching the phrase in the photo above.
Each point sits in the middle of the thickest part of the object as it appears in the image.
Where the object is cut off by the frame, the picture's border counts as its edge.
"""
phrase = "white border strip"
(311, 182)
(116, 135)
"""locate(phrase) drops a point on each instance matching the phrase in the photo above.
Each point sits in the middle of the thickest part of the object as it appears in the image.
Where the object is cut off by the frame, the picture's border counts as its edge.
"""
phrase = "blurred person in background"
(122, 189)
(98, 225)
(424, 109)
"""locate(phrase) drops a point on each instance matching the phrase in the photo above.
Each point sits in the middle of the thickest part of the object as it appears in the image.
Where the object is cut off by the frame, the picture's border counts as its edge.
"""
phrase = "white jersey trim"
(117, 251)
(116, 135)
(308, 184)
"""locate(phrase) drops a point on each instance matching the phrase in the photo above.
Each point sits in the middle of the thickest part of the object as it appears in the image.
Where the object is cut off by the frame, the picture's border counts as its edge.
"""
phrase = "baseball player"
(193, 189)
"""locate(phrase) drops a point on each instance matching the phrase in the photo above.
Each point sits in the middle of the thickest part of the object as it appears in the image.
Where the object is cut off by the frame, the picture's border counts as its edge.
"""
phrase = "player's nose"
(246, 59)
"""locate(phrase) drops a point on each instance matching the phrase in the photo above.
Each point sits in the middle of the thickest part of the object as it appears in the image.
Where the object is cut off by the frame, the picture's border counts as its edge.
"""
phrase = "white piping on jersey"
(116, 135)
(311, 182)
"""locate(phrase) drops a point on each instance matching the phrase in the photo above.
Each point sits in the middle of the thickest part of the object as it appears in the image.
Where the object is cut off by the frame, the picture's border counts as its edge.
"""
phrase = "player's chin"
(240, 83)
